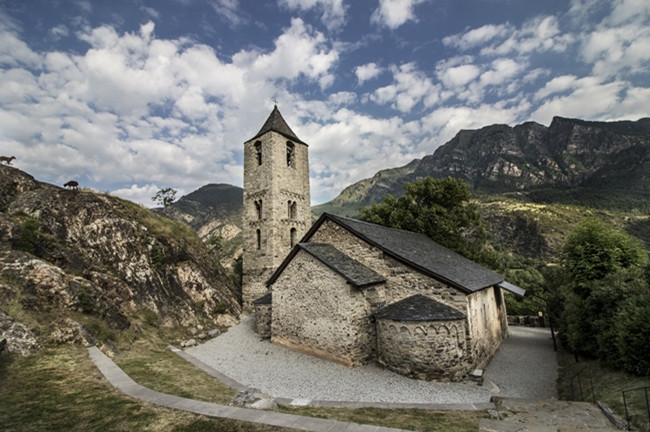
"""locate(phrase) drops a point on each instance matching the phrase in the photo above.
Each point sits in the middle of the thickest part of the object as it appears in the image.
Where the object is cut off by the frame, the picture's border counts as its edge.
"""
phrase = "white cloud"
(394, 13)
(620, 42)
(458, 76)
(228, 10)
(556, 85)
(410, 87)
(298, 51)
(14, 52)
(333, 11)
(366, 72)
(585, 98)
(478, 36)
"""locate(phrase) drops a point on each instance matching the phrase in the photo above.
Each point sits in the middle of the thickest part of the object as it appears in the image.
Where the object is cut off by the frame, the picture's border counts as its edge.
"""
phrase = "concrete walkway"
(126, 385)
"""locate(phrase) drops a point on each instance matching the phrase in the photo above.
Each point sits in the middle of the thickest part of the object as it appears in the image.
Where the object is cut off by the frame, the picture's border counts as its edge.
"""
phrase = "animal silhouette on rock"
(7, 159)
(71, 185)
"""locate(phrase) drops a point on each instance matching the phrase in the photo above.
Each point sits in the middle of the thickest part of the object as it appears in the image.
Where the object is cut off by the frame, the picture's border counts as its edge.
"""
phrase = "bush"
(633, 334)
(28, 238)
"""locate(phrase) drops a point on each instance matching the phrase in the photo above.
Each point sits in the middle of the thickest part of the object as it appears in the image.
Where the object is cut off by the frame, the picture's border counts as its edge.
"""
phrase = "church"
(353, 292)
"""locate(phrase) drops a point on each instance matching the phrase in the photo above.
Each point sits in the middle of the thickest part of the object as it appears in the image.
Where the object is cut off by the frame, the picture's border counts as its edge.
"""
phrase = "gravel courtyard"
(524, 367)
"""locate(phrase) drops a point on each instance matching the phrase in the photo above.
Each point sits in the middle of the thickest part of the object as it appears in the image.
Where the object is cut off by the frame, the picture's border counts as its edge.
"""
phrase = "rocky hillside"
(570, 161)
(214, 212)
(77, 266)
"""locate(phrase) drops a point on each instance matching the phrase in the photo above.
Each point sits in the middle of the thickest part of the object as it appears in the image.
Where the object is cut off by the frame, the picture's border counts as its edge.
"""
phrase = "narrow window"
(293, 237)
(259, 239)
(290, 153)
(292, 210)
(258, 152)
(258, 209)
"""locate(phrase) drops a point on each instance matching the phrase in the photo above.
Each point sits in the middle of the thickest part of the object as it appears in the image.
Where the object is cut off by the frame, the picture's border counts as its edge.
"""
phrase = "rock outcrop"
(66, 254)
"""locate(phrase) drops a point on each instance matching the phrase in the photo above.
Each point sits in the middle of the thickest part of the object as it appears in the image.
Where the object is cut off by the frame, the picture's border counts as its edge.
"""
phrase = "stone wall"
(424, 349)
(263, 316)
(487, 324)
(316, 312)
(277, 204)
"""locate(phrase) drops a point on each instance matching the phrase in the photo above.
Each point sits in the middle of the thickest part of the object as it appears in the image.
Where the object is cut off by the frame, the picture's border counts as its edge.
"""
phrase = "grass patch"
(59, 389)
(410, 419)
(166, 372)
(608, 385)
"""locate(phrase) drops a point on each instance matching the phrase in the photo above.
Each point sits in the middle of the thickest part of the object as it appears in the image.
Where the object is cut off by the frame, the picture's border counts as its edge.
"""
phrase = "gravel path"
(524, 367)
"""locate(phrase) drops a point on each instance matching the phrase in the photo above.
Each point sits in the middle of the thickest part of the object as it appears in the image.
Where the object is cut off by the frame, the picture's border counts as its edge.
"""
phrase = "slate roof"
(276, 123)
(350, 269)
(519, 292)
(418, 251)
(264, 300)
(419, 308)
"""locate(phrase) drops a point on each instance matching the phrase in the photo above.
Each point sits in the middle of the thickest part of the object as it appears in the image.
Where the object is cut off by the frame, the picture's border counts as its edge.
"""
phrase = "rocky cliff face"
(584, 161)
(74, 259)
(568, 153)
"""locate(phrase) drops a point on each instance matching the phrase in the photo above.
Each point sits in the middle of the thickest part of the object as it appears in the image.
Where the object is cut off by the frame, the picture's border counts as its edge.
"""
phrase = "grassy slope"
(60, 389)
(607, 385)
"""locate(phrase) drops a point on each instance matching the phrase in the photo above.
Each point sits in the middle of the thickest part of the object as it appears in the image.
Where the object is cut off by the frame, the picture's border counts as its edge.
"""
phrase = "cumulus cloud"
(410, 87)
(135, 108)
(620, 42)
(366, 72)
(394, 13)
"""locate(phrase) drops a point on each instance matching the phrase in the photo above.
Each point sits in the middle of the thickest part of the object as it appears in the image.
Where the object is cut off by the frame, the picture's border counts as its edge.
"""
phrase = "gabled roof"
(419, 308)
(418, 251)
(276, 123)
(351, 270)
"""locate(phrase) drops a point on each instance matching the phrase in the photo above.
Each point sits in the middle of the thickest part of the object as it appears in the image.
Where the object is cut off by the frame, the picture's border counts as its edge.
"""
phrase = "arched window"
(292, 235)
(258, 152)
(259, 239)
(258, 209)
(291, 210)
(290, 153)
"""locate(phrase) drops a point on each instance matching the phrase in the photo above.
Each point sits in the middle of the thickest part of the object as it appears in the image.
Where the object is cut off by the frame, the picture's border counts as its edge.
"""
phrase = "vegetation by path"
(607, 385)
(59, 389)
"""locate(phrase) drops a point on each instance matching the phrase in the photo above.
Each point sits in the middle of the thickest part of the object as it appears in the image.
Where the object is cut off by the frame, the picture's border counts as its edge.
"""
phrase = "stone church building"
(354, 292)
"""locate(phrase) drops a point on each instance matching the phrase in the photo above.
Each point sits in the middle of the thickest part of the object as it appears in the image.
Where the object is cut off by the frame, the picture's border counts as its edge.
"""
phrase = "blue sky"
(128, 97)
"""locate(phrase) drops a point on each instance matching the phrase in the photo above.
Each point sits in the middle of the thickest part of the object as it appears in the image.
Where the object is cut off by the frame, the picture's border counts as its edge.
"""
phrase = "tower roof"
(276, 123)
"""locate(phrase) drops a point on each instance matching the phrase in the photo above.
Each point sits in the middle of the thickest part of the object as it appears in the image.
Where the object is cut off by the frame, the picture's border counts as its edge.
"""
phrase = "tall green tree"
(440, 209)
(604, 285)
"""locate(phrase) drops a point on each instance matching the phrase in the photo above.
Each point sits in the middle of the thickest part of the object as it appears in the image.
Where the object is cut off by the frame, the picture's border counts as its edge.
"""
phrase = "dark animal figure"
(6, 159)
(71, 185)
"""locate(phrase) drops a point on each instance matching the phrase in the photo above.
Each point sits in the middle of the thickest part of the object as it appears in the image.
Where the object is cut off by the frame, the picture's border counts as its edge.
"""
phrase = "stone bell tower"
(277, 208)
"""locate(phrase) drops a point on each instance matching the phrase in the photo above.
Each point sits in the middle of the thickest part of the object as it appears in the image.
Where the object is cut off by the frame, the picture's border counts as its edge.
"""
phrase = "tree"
(604, 292)
(440, 209)
(164, 196)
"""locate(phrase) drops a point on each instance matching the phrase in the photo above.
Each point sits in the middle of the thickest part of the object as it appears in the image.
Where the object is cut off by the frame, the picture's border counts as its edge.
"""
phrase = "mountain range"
(567, 171)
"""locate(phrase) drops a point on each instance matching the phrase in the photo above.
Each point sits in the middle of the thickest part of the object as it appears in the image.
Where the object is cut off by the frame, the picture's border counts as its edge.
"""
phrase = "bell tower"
(277, 207)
